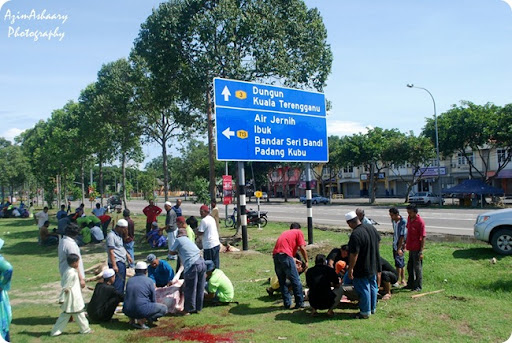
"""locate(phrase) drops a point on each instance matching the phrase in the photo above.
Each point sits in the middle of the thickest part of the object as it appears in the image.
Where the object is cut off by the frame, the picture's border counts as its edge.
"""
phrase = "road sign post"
(257, 122)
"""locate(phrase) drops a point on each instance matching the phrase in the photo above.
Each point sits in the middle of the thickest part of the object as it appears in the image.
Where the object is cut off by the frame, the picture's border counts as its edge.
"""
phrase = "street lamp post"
(410, 85)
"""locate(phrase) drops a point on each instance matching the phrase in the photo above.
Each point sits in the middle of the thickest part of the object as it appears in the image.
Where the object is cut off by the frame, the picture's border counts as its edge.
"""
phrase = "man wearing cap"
(67, 246)
(151, 212)
(105, 299)
(159, 271)
(284, 263)
(117, 255)
(193, 267)
(220, 288)
(170, 227)
(364, 264)
(140, 299)
(208, 231)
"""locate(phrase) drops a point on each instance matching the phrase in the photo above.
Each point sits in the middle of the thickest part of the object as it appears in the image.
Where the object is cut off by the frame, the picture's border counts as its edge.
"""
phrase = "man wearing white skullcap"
(117, 254)
(105, 299)
(364, 264)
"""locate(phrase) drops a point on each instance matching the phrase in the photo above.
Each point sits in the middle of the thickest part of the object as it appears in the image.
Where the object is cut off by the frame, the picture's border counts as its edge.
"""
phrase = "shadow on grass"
(499, 286)
(303, 317)
(246, 309)
(43, 320)
(17, 222)
(475, 254)
(29, 248)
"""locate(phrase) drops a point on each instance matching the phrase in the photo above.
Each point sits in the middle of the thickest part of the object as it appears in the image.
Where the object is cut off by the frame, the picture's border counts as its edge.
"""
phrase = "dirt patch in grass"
(47, 293)
(177, 331)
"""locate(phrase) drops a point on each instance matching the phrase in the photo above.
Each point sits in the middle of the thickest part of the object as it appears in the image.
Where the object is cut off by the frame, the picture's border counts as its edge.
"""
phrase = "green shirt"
(190, 234)
(221, 286)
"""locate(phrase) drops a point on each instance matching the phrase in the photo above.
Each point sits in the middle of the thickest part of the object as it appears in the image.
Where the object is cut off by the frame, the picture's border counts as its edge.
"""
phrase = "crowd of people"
(197, 279)
(356, 270)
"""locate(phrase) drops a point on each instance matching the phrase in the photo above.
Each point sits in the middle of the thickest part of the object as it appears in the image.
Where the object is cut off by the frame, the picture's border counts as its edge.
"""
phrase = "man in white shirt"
(208, 231)
(42, 217)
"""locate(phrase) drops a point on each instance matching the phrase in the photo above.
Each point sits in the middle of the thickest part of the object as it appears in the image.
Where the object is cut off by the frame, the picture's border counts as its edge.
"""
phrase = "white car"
(495, 227)
(425, 198)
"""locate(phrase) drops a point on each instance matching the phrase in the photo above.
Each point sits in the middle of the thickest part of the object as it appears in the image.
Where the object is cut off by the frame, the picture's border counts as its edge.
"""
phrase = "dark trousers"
(194, 286)
(414, 270)
(120, 277)
(160, 311)
(213, 255)
(285, 268)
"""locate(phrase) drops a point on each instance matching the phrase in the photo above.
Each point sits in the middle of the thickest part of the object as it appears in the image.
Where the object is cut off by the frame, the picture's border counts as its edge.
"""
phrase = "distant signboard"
(257, 122)
(430, 172)
(227, 189)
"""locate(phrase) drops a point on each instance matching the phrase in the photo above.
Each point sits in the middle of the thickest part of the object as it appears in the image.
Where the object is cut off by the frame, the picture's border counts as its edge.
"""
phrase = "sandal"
(386, 297)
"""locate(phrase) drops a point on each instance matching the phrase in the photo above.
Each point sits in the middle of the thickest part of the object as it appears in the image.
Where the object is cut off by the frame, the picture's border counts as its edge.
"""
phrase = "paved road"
(445, 220)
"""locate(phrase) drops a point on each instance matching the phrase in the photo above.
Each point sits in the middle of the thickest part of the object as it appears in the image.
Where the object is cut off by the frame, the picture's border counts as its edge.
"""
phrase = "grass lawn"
(474, 307)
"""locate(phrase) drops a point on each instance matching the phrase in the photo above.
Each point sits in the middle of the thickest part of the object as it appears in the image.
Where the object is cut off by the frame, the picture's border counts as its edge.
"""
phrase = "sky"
(457, 49)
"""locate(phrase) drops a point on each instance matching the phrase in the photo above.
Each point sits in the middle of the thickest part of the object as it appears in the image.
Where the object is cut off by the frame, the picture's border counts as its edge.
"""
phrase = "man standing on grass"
(117, 255)
(399, 230)
(415, 242)
(364, 264)
(68, 246)
(151, 212)
(177, 208)
(284, 263)
(170, 228)
(208, 231)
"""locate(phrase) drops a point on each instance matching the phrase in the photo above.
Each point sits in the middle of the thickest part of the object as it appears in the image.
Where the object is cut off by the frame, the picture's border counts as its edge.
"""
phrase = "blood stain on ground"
(194, 334)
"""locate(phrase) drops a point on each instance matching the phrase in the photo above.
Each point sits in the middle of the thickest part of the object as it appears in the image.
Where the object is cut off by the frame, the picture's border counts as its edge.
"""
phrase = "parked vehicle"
(315, 199)
(495, 228)
(252, 218)
(425, 198)
(114, 201)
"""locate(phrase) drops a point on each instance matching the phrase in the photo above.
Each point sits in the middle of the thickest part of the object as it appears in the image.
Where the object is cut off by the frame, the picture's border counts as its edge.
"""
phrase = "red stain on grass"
(194, 334)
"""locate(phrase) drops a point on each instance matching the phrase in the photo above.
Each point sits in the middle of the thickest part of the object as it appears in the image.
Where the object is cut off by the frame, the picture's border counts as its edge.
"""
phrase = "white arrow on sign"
(226, 93)
(228, 133)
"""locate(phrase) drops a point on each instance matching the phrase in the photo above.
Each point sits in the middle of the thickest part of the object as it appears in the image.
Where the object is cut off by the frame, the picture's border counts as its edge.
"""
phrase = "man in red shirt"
(415, 242)
(151, 211)
(284, 263)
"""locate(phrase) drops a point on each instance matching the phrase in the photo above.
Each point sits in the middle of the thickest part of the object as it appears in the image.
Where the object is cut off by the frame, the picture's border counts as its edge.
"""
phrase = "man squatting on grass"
(284, 264)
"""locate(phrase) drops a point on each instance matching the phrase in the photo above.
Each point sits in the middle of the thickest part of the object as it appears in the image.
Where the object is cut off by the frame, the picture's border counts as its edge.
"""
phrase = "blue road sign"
(257, 122)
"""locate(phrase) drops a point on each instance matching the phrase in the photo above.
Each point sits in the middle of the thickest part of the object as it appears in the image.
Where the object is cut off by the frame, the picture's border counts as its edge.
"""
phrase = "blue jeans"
(285, 268)
(129, 250)
(120, 277)
(213, 255)
(366, 288)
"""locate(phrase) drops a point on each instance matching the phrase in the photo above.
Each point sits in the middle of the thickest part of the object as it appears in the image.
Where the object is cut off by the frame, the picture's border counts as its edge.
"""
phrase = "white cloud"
(11, 133)
(345, 128)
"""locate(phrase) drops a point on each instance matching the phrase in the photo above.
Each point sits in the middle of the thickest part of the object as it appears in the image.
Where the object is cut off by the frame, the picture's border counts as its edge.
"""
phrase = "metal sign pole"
(308, 203)
(243, 214)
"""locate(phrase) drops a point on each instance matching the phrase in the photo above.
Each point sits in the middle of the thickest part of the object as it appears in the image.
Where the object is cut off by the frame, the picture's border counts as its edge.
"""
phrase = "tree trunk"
(166, 170)
(372, 184)
(211, 151)
(59, 195)
(123, 182)
(285, 184)
(82, 175)
(100, 166)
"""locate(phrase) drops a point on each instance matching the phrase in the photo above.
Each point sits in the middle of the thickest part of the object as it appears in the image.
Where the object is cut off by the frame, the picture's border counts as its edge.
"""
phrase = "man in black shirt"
(338, 254)
(105, 299)
(388, 276)
(320, 279)
(364, 264)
